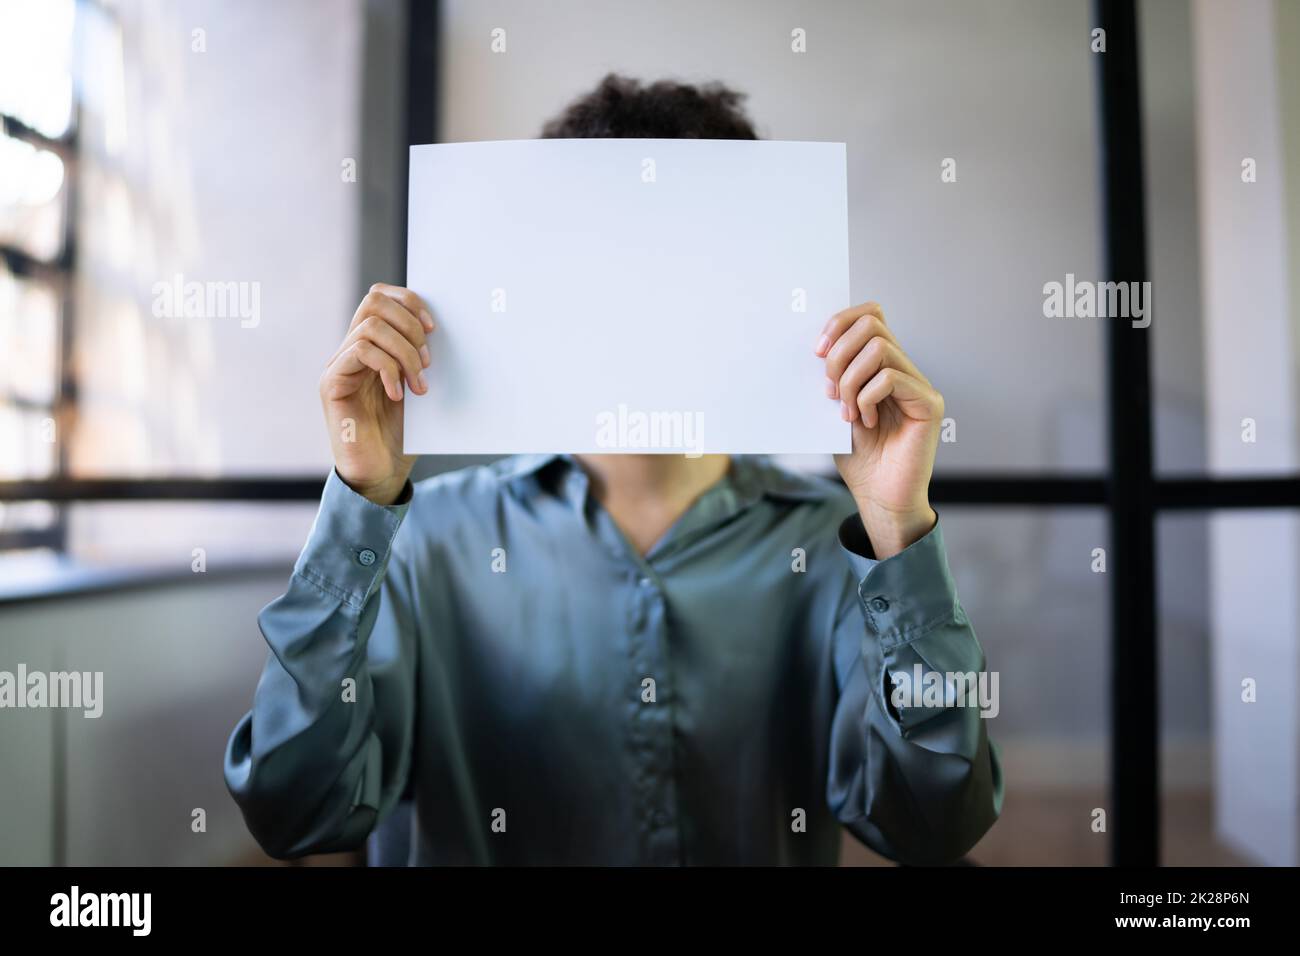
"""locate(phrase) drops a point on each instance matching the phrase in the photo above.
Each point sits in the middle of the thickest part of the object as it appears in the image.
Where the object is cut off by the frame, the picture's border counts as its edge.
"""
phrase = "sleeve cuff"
(904, 595)
(350, 541)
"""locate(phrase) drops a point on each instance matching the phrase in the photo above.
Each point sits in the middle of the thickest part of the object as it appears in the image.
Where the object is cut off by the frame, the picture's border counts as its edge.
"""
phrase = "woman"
(620, 659)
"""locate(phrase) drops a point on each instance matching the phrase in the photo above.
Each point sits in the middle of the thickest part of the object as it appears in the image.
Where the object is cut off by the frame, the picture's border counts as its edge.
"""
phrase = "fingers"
(376, 332)
(879, 353)
(859, 348)
(842, 321)
(379, 305)
(852, 341)
(384, 322)
(412, 361)
(914, 398)
(404, 297)
(364, 354)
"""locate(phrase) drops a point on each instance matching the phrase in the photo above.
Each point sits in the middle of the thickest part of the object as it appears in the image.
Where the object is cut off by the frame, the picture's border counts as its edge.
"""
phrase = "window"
(147, 147)
(38, 128)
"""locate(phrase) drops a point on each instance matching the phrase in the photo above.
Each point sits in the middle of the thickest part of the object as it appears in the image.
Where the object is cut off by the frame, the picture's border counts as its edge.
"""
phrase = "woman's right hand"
(361, 390)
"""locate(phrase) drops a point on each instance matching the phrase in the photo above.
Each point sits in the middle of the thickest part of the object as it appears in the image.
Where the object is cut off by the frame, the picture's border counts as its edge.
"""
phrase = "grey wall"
(1178, 374)
(180, 663)
(224, 165)
(1005, 88)
(1250, 107)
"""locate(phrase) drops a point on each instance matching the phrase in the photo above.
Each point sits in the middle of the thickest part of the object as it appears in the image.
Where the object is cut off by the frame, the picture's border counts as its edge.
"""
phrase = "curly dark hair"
(623, 108)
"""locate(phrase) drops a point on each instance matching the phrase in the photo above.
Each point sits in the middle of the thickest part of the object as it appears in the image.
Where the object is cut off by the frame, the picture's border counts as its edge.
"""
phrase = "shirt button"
(879, 605)
(661, 818)
(366, 557)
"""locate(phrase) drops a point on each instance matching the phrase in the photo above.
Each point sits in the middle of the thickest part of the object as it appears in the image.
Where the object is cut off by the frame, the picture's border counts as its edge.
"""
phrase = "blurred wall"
(180, 663)
(1250, 110)
(1004, 88)
(214, 140)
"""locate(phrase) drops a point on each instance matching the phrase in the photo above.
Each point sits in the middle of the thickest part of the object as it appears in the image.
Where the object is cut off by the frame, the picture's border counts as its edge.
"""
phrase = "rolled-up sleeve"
(912, 771)
(324, 752)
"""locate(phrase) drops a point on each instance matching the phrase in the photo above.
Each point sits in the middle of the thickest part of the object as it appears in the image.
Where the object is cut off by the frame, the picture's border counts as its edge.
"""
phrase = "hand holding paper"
(361, 390)
(896, 415)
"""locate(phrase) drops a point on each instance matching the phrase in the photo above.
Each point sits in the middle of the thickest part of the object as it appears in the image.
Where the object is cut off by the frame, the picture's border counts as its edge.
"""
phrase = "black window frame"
(59, 274)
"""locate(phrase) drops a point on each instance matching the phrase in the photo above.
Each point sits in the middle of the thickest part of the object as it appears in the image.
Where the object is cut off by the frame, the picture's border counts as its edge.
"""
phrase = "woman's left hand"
(896, 415)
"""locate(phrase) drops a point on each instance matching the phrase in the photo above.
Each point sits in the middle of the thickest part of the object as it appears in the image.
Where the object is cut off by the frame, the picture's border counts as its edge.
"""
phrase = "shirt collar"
(519, 467)
(750, 477)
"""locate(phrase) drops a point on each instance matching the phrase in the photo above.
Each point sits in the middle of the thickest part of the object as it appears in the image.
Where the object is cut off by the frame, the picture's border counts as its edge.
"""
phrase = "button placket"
(653, 722)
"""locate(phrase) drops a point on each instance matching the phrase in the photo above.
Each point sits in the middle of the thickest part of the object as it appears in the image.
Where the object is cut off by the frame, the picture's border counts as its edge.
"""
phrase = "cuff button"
(366, 557)
(879, 605)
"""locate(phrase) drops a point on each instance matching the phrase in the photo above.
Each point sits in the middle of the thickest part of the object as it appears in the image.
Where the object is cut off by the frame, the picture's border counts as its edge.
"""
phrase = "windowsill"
(38, 577)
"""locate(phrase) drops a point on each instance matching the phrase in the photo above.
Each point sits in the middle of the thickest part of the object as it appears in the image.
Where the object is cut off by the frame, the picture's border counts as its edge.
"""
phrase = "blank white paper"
(627, 295)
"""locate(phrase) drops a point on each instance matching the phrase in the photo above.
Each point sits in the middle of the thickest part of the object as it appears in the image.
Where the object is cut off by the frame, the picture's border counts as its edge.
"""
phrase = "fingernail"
(424, 355)
(831, 388)
(424, 385)
(823, 344)
(427, 319)
(844, 411)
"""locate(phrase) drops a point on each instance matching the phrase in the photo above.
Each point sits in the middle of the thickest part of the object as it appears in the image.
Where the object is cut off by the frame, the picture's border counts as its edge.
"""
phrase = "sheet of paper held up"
(627, 295)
